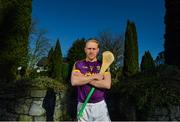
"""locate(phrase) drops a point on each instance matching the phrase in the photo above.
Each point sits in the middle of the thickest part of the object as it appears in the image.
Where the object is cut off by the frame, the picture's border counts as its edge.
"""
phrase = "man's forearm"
(101, 84)
(78, 80)
(104, 83)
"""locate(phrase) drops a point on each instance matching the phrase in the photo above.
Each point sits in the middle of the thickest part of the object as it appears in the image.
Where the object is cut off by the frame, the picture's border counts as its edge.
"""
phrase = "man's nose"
(92, 50)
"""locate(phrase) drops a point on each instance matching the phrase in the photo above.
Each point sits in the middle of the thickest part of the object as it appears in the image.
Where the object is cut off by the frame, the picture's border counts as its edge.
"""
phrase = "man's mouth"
(91, 54)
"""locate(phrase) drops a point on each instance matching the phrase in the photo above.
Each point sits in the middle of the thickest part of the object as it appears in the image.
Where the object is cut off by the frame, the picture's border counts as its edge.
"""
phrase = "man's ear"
(98, 50)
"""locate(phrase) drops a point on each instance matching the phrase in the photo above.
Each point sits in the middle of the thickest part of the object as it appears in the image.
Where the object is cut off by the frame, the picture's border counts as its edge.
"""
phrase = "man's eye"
(91, 48)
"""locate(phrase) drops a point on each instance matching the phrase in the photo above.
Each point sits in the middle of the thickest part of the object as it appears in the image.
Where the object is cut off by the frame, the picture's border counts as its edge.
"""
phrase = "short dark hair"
(93, 40)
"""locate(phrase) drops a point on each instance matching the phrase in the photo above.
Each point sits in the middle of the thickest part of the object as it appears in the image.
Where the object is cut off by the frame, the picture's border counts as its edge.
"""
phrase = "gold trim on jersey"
(76, 70)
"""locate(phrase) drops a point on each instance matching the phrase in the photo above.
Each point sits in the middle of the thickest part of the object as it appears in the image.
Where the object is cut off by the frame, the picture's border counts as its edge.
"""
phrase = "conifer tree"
(57, 62)
(50, 62)
(76, 52)
(147, 63)
(131, 50)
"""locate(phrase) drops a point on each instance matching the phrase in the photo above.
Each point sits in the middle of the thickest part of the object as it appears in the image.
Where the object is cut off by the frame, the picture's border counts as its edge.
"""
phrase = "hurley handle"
(80, 113)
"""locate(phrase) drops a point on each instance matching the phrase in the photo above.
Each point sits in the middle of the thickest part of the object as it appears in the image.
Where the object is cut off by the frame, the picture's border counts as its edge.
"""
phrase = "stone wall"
(163, 114)
(28, 107)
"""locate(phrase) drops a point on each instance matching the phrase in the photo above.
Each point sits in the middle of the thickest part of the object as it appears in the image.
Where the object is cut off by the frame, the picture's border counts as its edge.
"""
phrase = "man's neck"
(93, 60)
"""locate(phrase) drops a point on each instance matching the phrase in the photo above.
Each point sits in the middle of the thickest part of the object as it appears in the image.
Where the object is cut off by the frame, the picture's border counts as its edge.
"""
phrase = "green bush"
(46, 82)
(148, 91)
(65, 69)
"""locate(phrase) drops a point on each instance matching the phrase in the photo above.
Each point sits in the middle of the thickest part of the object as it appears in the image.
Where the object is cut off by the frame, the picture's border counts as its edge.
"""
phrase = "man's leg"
(87, 113)
(101, 112)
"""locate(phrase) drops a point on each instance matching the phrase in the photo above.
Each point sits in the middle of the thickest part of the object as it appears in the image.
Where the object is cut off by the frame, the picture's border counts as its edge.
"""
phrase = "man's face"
(91, 50)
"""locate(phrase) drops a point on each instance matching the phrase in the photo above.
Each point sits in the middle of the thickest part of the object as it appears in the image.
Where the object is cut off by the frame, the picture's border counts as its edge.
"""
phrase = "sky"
(69, 20)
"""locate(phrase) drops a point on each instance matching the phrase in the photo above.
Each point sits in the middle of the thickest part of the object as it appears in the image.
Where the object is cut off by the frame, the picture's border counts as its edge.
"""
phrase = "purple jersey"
(89, 68)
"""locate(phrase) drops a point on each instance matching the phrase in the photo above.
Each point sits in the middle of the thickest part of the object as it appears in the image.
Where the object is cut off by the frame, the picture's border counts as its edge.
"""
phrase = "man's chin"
(92, 58)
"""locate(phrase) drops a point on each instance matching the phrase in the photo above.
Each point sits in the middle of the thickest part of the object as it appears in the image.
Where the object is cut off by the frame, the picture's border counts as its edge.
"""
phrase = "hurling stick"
(107, 60)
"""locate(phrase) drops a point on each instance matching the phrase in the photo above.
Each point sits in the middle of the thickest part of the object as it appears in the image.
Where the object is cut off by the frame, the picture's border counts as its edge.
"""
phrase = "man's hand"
(105, 82)
(98, 76)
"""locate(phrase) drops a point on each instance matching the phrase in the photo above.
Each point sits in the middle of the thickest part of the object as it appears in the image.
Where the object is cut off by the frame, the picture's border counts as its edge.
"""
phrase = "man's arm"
(104, 83)
(78, 79)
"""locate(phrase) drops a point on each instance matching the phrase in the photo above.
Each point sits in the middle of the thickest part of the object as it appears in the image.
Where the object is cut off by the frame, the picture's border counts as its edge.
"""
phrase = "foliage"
(57, 62)
(15, 23)
(172, 30)
(147, 63)
(148, 91)
(160, 60)
(50, 64)
(131, 65)
(46, 82)
(76, 52)
(65, 73)
(40, 82)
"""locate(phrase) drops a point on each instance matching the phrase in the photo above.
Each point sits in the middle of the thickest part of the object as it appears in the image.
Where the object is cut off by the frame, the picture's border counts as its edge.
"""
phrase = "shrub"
(148, 91)
(46, 82)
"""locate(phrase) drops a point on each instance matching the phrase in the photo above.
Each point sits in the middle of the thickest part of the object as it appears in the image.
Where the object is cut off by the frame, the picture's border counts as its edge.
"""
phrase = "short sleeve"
(75, 69)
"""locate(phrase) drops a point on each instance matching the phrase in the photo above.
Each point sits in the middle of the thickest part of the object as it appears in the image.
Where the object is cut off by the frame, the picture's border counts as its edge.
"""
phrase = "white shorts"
(94, 112)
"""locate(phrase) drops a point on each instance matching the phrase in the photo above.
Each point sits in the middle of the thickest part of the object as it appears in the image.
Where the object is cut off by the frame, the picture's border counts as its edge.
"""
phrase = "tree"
(76, 52)
(15, 24)
(65, 71)
(50, 64)
(147, 63)
(131, 65)
(57, 62)
(38, 46)
(39, 49)
(108, 42)
(160, 59)
(172, 30)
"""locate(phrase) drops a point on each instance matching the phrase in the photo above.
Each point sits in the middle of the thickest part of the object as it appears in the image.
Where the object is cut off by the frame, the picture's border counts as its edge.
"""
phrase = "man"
(85, 74)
